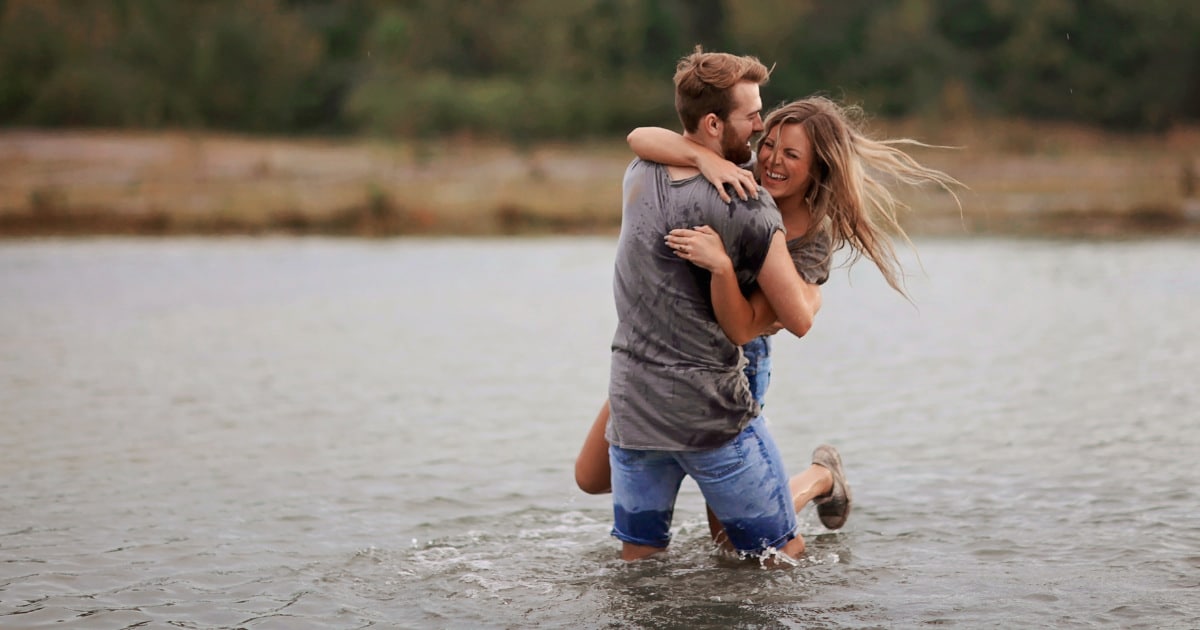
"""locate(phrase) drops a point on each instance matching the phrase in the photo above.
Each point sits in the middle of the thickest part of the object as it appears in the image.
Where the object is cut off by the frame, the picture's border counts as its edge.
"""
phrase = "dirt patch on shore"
(1023, 180)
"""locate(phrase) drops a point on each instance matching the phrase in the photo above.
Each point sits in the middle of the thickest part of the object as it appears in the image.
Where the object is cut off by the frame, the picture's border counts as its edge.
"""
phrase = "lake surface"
(294, 433)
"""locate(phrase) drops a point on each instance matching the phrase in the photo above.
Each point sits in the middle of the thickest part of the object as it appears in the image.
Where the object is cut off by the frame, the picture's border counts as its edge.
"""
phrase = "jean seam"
(762, 449)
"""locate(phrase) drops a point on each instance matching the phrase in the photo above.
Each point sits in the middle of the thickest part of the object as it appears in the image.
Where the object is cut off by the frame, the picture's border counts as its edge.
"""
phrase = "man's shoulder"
(639, 172)
(749, 222)
(638, 164)
(761, 208)
(676, 174)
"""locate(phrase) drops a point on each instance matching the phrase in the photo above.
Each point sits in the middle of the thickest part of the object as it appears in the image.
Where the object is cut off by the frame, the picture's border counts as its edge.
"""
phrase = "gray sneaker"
(834, 507)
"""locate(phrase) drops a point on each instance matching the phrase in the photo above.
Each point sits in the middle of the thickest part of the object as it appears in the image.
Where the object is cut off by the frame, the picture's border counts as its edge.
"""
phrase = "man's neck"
(684, 172)
(707, 142)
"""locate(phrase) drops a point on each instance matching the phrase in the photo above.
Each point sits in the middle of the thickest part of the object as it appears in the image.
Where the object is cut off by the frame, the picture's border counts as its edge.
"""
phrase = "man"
(680, 404)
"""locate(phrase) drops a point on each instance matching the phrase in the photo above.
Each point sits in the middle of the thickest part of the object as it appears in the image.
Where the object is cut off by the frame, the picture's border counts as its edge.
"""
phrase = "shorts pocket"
(715, 464)
(628, 458)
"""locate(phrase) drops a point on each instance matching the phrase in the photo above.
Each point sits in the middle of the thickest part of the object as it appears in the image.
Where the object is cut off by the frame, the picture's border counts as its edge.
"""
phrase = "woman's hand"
(719, 171)
(701, 246)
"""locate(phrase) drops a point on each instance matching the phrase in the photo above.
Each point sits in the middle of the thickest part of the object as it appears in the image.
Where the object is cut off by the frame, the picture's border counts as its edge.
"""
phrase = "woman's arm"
(795, 301)
(667, 147)
(740, 318)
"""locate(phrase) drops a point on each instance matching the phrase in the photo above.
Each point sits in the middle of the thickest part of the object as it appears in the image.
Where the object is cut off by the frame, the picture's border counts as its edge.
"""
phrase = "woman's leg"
(824, 483)
(815, 481)
(593, 473)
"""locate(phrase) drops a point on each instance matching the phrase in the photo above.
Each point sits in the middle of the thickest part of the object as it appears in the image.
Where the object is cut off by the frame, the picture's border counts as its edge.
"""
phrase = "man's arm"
(795, 302)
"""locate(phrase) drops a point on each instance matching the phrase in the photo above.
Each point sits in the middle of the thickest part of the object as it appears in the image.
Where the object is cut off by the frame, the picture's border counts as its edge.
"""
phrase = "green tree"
(546, 68)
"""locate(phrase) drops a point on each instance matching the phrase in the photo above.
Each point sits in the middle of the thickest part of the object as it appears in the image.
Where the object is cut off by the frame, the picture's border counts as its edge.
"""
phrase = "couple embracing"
(720, 247)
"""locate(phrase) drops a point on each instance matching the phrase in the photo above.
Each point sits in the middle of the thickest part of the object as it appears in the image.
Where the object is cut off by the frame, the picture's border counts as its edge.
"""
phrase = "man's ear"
(711, 124)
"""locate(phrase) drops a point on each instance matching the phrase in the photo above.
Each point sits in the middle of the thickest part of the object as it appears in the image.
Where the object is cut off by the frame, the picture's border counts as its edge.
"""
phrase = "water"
(347, 434)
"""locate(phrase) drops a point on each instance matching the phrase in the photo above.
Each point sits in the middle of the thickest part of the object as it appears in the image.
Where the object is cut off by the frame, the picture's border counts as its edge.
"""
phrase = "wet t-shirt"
(676, 381)
(810, 253)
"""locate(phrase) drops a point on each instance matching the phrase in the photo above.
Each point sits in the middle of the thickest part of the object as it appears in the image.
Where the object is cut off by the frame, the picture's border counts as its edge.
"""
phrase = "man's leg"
(746, 487)
(593, 474)
(645, 485)
(815, 482)
(793, 548)
(633, 551)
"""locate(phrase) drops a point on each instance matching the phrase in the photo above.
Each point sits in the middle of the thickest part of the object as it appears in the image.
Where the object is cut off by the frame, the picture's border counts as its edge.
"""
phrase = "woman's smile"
(785, 159)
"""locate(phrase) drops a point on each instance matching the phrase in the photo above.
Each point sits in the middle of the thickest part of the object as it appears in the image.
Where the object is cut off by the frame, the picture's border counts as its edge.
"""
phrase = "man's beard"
(734, 151)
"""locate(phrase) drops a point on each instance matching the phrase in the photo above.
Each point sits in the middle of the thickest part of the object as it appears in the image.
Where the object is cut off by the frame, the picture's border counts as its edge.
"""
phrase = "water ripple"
(277, 433)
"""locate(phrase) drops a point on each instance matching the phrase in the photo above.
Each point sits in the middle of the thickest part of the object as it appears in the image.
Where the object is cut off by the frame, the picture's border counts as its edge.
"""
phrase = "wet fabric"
(812, 256)
(676, 381)
(743, 482)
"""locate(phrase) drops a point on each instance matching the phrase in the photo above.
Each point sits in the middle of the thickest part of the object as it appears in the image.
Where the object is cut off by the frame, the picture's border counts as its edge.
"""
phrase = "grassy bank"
(1023, 179)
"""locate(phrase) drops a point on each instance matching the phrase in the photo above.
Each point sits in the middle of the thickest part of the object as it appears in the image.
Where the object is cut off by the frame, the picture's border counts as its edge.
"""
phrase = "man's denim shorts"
(743, 481)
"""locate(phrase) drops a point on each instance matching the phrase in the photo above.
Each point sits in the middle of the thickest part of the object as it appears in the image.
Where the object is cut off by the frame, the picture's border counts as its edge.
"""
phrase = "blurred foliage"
(529, 69)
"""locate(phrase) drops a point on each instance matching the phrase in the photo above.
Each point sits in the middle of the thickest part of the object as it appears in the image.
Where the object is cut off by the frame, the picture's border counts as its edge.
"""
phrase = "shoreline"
(372, 223)
(1024, 180)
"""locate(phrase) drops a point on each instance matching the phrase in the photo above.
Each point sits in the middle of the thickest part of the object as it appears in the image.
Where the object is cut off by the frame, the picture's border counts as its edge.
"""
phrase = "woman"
(819, 167)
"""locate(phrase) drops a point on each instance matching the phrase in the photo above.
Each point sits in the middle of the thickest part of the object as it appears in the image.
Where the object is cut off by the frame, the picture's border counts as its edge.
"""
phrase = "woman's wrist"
(724, 269)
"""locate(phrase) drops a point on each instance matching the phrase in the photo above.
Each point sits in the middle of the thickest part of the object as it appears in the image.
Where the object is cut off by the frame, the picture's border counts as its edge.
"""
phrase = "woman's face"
(785, 159)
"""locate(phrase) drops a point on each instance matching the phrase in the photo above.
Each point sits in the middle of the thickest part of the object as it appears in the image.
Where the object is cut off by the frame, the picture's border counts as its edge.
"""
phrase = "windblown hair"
(703, 81)
(849, 177)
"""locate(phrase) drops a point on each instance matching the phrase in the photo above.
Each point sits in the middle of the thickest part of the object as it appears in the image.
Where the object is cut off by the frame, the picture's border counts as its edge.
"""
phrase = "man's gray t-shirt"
(676, 381)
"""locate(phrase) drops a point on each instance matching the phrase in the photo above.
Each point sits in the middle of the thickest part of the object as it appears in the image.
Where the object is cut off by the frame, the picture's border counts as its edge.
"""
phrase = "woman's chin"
(781, 194)
(774, 188)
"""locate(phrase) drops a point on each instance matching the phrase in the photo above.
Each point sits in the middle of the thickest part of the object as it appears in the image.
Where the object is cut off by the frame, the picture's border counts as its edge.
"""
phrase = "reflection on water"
(338, 434)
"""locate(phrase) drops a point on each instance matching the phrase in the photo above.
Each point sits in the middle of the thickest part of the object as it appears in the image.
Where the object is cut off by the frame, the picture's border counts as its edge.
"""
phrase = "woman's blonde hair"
(846, 185)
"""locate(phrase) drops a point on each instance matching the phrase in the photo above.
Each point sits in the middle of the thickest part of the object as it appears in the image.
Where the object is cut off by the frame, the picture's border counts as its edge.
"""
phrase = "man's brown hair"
(703, 81)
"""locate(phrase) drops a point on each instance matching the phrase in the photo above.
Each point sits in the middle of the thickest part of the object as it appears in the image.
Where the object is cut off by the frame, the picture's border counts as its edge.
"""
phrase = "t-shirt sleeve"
(812, 257)
(747, 229)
